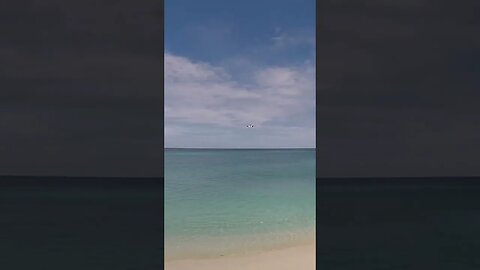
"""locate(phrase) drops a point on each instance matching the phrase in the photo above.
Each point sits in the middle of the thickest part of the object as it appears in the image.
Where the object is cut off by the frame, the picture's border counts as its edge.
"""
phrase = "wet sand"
(293, 258)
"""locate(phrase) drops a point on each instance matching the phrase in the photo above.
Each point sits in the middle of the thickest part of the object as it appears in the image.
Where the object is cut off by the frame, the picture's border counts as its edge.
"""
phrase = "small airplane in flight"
(250, 126)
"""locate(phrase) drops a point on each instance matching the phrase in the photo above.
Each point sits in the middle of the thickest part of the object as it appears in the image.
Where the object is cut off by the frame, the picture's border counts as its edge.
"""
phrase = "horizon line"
(328, 178)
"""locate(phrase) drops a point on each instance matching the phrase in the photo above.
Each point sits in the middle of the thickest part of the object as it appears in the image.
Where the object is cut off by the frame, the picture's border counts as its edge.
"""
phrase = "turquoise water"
(221, 202)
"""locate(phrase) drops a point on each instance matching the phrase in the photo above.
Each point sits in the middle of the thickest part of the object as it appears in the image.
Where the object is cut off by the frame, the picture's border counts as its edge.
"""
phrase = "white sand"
(293, 258)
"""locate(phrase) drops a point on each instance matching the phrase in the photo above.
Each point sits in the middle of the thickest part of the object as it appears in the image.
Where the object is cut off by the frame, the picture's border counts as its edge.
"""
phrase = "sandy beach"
(300, 257)
(239, 209)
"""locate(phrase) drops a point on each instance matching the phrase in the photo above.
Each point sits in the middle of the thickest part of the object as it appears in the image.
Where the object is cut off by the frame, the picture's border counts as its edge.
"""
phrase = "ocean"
(225, 202)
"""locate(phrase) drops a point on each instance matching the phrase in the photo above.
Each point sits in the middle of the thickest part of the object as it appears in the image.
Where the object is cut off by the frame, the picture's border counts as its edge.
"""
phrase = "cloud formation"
(204, 94)
(201, 93)
(283, 40)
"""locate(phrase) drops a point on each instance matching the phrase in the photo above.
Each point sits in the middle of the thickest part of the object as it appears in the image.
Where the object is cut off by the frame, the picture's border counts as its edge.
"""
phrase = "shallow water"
(234, 201)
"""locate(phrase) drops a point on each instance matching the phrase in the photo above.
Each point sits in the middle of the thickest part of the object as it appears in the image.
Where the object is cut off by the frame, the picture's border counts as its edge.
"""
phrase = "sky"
(397, 84)
(229, 64)
(81, 93)
(398, 88)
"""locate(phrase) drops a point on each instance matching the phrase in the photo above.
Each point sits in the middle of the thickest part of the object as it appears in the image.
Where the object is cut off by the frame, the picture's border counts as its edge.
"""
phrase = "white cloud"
(283, 40)
(181, 69)
(200, 93)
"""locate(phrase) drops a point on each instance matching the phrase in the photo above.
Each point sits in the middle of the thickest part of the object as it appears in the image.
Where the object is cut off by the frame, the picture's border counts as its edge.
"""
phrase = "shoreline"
(300, 257)
(236, 245)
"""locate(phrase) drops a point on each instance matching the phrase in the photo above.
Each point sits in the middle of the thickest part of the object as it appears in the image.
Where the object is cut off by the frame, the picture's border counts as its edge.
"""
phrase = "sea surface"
(226, 202)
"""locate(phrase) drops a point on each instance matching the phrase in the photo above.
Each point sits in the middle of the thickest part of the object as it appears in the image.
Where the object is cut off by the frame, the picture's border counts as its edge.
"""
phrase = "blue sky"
(233, 63)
